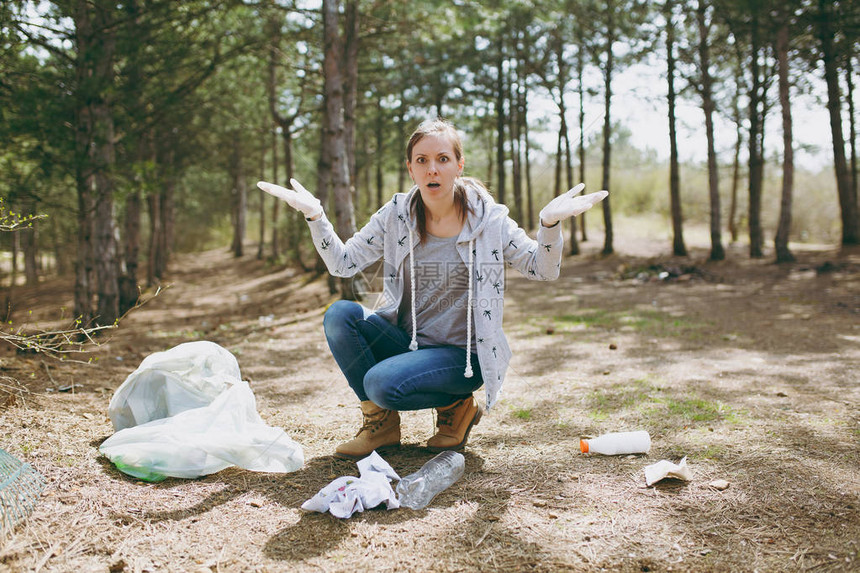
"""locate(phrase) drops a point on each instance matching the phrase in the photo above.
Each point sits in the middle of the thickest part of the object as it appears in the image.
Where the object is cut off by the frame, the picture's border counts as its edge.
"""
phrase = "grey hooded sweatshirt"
(488, 242)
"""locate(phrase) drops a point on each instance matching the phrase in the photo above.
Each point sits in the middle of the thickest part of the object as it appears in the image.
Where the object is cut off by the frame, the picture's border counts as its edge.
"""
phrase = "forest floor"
(747, 368)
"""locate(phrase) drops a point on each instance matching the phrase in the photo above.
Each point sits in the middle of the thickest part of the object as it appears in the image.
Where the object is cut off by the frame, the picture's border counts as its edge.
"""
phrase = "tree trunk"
(324, 164)
(9, 298)
(401, 124)
(756, 141)
(29, 245)
(60, 249)
(105, 245)
(335, 132)
(133, 211)
(516, 155)
(366, 172)
(276, 205)
(153, 203)
(262, 195)
(678, 246)
(274, 33)
(297, 227)
(565, 132)
(568, 171)
(490, 157)
(106, 258)
(239, 195)
(527, 159)
(580, 72)
(160, 206)
(380, 182)
(783, 254)
(141, 153)
(166, 205)
(561, 86)
(350, 88)
(106, 233)
(717, 252)
(84, 260)
(852, 124)
(559, 157)
(500, 126)
(847, 198)
(607, 127)
(83, 176)
(568, 159)
(16, 251)
(95, 35)
(128, 290)
(736, 171)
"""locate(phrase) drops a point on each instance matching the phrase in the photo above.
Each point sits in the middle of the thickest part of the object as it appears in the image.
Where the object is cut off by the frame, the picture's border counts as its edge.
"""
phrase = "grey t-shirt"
(441, 294)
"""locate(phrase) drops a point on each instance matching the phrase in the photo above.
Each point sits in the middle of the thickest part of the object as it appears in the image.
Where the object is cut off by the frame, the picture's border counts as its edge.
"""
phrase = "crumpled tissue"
(666, 469)
(347, 495)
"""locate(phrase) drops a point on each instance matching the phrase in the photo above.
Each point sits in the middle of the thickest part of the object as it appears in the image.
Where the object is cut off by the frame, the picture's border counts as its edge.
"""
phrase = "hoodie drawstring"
(413, 344)
(468, 373)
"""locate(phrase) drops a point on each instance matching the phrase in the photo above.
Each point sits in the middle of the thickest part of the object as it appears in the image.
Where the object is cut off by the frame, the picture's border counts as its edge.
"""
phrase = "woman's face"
(434, 166)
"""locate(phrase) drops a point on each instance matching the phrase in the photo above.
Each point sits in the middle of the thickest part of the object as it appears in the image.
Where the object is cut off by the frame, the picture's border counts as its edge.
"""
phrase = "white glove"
(298, 197)
(570, 205)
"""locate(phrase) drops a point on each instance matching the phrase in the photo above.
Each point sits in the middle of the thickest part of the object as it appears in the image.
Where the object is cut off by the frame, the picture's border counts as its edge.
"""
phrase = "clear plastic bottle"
(618, 443)
(417, 490)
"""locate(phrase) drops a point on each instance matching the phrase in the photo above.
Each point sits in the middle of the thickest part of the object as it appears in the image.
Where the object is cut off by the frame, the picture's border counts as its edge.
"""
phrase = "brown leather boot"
(381, 429)
(454, 423)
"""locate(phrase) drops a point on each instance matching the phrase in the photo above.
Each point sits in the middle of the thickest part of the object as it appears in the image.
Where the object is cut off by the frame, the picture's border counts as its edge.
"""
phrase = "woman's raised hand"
(298, 197)
(570, 204)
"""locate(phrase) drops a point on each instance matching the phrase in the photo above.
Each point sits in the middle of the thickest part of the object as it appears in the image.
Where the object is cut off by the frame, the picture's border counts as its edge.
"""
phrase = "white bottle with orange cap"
(618, 443)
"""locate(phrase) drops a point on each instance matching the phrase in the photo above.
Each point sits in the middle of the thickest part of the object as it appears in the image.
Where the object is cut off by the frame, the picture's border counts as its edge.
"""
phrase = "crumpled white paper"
(347, 495)
(666, 469)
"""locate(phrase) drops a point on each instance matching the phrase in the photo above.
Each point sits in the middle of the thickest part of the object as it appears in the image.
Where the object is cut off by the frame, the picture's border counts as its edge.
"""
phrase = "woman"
(436, 336)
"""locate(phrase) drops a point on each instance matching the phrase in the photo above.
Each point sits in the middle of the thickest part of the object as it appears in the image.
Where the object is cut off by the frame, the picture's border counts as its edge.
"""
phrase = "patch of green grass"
(695, 409)
(645, 321)
(606, 401)
(691, 410)
(647, 399)
(711, 452)
(524, 414)
(598, 415)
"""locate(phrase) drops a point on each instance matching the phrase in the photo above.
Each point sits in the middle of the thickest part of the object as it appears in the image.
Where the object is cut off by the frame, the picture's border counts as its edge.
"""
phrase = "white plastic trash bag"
(193, 441)
(187, 376)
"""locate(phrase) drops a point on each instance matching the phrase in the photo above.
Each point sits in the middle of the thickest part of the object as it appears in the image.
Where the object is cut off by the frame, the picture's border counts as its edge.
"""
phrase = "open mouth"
(433, 185)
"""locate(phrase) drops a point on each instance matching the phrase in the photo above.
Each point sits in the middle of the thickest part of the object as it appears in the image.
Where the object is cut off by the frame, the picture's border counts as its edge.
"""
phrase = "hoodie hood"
(481, 213)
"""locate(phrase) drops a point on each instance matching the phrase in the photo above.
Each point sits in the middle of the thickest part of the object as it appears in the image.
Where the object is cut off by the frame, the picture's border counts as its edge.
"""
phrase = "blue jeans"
(374, 356)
